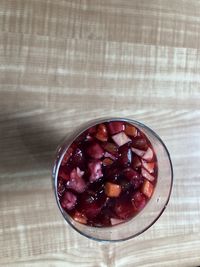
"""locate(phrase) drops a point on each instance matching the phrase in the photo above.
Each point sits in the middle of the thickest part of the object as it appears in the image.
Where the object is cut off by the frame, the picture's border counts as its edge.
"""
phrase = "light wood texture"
(65, 62)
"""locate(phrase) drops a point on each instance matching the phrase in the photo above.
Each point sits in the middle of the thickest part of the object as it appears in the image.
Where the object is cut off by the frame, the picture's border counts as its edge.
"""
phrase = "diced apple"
(80, 217)
(149, 166)
(115, 221)
(109, 155)
(111, 148)
(107, 161)
(147, 188)
(95, 151)
(102, 133)
(138, 152)
(148, 156)
(95, 170)
(147, 175)
(139, 142)
(130, 130)
(116, 127)
(76, 181)
(68, 200)
(121, 139)
(136, 162)
(112, 190)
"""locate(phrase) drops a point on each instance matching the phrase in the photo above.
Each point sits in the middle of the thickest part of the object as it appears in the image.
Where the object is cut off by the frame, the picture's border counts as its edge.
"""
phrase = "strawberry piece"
(95, 151)
(115, 221)
(136, 163)
(95, 170)
(139, 142)
(130, 130)
(108, 155)
(138, 152)
(63, 174)
(138, 201)
(148, 156)
(116, 127)
(121, 139)
(102, 133)
(147, 175)
(125, 156)
(76, 181)
(149, 166)
(80, 217)
(112, 190)
(107, 161)
(68, 200)
(147, 188)
(111, 148)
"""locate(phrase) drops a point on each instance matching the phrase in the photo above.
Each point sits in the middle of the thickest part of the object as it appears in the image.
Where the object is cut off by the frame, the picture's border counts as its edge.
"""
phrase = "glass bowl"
(155, 206)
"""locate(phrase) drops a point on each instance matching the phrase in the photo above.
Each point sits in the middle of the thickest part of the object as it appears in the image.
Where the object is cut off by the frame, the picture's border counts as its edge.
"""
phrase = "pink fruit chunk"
(95, 151)
(136, 162)
(147, 188)
(102, 133)
(138, 152)
(147, 175)
(76, 181)
(115, 221)
(138, 201)
(139, 142)
(108, 155)
(95, 169)
(148, 156)
(131, 130)
(121, 139)
(68, 200)
(149, 166)
(116, 127)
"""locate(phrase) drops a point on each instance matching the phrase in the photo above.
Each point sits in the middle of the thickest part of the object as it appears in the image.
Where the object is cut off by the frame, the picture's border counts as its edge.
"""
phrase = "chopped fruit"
(147, 175)
(112, 190)
(102, 133)
(108, 155)
(147, 189)
(136, 162)
(95, 170)
(107, 161)
(149, 166)
(131, 130)
(76, 181)
(60, 187)
(62, 173)
(140, 142)
(125, 156)
(95, 151)
(148, 156)
(79, 217)
(138, 201)
(111, 148)
(121, 139)
(115, 221)
(138, 152)
(107, 175)
(116, 127)
(68, 200)
(67, 155)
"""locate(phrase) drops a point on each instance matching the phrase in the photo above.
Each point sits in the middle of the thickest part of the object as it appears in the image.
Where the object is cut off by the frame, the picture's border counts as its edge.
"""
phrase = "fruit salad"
(107, 175)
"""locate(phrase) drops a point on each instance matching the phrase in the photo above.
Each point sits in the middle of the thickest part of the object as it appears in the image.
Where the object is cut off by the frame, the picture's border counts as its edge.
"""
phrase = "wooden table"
(65, 62)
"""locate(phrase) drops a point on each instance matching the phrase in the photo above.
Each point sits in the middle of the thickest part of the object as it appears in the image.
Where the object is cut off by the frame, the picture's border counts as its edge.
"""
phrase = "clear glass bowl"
(151, 212)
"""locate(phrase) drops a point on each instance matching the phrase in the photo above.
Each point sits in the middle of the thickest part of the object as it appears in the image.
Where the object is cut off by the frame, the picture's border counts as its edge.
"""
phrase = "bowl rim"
(71, 138)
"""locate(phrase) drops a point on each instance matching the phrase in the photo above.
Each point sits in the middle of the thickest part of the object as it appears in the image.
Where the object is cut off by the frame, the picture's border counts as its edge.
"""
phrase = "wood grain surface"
(65, 62)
